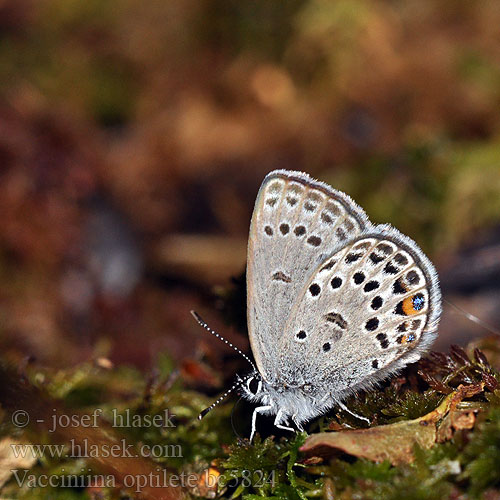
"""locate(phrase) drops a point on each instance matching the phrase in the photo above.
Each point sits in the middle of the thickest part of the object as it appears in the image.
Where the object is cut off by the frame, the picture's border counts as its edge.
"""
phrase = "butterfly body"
(335, 303)
(290, 402)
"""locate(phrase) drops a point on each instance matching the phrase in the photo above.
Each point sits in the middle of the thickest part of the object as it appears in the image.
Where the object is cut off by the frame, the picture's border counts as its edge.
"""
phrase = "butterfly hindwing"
(369, 309)
(296, 224)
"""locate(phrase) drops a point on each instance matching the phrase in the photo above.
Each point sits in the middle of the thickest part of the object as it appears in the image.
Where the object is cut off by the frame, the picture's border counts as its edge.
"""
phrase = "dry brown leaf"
(445, 430)
(456, 419)
(462, 419)
(394, 442)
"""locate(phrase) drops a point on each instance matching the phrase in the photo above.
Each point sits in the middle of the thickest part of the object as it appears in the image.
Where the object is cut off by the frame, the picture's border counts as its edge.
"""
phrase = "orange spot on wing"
(408, 307)
(408, 337)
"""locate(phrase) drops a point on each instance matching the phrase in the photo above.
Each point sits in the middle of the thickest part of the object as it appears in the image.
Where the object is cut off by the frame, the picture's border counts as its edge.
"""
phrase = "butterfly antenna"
(219, 400)
(473, 318)
(202, 323)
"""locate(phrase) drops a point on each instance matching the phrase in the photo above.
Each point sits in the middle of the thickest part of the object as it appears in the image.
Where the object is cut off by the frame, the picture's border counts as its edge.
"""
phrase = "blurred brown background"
(134, 137)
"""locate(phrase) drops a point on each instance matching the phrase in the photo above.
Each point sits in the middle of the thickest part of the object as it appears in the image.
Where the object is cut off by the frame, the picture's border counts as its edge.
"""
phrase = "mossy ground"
(464, 465)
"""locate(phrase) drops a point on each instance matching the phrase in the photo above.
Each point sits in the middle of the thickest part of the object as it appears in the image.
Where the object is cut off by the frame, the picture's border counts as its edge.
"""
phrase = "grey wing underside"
(368, 310)
(297, 223)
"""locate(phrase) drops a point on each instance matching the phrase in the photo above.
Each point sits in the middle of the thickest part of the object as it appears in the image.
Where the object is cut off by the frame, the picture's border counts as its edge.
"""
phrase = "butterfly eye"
(254, 385)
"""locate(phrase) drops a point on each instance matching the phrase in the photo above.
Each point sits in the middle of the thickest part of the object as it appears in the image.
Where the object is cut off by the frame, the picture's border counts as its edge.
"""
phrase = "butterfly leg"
(344, 407)
(278, 425)
(325, 397)
(257, 410)
(294, 420)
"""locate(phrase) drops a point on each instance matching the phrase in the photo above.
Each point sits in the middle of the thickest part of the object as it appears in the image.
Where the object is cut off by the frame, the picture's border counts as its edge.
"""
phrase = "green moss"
(275, 468)
(411, 405)
(481, 456)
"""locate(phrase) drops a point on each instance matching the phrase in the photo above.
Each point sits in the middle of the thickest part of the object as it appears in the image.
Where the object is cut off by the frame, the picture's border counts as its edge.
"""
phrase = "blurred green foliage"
(394, 102)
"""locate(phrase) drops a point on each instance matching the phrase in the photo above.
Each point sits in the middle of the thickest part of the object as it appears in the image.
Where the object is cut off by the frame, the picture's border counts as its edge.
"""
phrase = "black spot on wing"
(352, 257)
(375, 258)
(401, 259)
(372, 324)
(326, 218)
(390, 269)
(384, 248)
(336, 282)
(328, 266)
(371, 285)
(349, 226)
(382, 338)
(415, 324)
(275, 187)
(399, 309)
(284, 228)
(299, 230)
(413, 278)
(340, 233)
(399, 287)
(364, 245)
(402, 327)
(314, 241)
(336, 319)
(358, 278)
(281, 276)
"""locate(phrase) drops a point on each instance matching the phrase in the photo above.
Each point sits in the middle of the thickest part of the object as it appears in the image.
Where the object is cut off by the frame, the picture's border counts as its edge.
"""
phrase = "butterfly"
(335, 303)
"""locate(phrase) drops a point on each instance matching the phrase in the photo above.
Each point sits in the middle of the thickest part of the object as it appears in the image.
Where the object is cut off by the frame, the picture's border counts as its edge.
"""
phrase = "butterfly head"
(256, 389)
(253, 387)
(296, 400)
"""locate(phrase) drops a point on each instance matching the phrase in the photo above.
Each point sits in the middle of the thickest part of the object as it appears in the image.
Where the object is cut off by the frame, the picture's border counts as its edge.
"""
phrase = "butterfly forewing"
(297, 223)
(367, 310)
